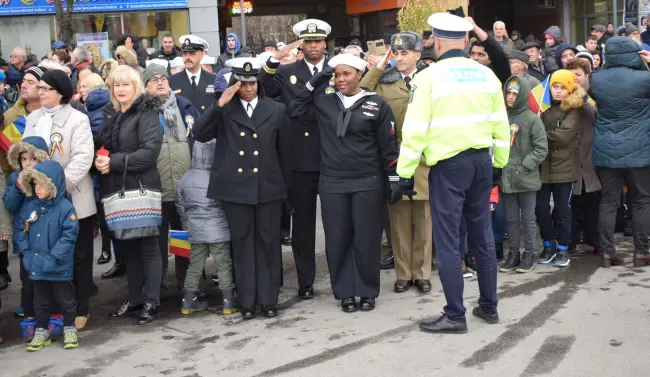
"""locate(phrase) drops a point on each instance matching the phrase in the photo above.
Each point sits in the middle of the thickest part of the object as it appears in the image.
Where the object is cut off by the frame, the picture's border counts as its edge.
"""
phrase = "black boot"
(104, 257)
(512, 262)
(498, 247)
(118, 268)
(387, 262)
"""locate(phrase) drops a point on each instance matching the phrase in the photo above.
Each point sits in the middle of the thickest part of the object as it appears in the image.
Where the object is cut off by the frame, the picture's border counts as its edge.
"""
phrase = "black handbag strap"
(126, 165)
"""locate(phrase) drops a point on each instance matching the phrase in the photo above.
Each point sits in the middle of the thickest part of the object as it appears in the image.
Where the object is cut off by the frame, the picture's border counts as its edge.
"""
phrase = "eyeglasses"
(158, 80)
(44, 89)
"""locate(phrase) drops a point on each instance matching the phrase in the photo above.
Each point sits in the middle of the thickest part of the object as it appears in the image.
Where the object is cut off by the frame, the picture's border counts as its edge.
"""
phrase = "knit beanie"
(60, 82)
(564, 77)
(153, 70)
(36, 72)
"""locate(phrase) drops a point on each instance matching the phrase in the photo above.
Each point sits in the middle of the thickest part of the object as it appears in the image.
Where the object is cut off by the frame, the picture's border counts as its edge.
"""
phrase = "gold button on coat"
(242, 134)
(256, 153)
(240, 170)
(255, 170)
(254, 136)
(241, 153)
(306, 133)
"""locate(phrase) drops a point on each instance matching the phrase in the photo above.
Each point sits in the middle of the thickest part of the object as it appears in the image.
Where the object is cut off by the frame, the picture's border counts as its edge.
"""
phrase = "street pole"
(243, 22)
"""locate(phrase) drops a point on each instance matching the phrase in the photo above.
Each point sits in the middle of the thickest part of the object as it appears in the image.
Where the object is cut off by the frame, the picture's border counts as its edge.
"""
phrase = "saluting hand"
(228, 94)
(383, 63)
(284, 51)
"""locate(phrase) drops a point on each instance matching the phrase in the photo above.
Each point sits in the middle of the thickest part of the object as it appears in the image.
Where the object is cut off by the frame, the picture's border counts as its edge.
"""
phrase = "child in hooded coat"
(47, 242)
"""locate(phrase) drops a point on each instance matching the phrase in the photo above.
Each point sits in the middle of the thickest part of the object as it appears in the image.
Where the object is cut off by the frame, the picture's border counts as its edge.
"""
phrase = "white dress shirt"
(249, 110)
(319, 65)
(197, 74)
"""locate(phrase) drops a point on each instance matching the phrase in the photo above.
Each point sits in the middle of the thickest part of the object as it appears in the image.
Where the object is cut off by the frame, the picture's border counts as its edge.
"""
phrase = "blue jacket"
(50, 230)
(186, 108)
(95, 103)
(14, 76)
(13, 197)
(622, 94)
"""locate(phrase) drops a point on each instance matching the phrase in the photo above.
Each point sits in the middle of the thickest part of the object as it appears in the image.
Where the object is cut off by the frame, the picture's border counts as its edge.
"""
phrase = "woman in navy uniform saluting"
(248, 176)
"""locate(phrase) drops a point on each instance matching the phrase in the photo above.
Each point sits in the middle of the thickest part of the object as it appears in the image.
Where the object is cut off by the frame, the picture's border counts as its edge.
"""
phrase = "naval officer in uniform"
(248, 177)
(194, 83)
(285, 82)
(456, 113)
(358, 149)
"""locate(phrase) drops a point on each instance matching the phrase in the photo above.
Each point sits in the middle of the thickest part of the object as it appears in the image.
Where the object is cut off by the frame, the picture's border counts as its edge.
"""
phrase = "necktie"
(315, 70)
(407, 80)
(193, 82)
(249, 110)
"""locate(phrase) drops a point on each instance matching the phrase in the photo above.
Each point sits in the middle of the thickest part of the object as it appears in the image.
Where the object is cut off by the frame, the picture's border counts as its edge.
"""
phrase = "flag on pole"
(12, 133)
(179, 243)
(542, 94)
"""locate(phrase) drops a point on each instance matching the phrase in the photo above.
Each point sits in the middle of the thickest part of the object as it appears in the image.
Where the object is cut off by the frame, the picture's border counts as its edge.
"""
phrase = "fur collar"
(144, 103)
(574, 100)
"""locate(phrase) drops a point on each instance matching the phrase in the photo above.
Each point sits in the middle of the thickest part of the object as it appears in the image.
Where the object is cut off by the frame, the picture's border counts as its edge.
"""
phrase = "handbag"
(133, 214)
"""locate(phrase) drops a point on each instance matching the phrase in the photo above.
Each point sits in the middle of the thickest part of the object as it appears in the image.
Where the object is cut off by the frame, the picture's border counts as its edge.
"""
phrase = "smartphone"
(377, 47)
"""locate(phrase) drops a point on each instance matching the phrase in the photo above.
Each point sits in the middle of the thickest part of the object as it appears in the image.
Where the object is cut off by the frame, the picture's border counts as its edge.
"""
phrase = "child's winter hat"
(564, 77)
(34, 145)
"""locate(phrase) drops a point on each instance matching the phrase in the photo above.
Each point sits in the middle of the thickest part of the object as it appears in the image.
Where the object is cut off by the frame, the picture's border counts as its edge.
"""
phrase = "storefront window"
(106, 22)
(586, 13)
(151, 26)
(596, 6)
(35, 31)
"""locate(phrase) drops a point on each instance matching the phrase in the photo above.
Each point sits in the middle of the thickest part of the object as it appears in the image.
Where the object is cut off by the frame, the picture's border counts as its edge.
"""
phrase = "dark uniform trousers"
(257, 253)
(460, 187)
(304, 194)
(352, 241)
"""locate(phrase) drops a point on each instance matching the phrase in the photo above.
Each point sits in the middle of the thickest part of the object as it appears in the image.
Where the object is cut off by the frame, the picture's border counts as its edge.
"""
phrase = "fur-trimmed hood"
(392, 75)
(34, 145)
(48, 174)
(574, 100)
(130, 56)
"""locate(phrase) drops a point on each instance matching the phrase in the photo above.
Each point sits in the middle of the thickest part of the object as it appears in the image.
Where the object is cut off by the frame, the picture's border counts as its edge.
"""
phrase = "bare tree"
(64, 20)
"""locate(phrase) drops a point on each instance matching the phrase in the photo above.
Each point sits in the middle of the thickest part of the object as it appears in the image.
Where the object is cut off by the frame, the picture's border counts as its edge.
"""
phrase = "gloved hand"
(401, 186)
(496, 175)
(322, 77)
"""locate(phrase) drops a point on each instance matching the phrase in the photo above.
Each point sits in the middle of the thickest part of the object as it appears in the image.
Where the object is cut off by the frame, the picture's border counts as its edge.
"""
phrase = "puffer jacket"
(562, 124)
(50, 228)
(549, 52)
(622, 93)
(389, 84)
(174, 159)
(14, 198)
(203, 218)
(95, 102)
(75, 154)
(138, 134)
(528, 146)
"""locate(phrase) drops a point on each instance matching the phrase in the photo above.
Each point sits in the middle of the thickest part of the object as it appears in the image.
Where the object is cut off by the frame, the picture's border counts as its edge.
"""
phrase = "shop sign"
(26, 7)
(236, 7)
(92, 41)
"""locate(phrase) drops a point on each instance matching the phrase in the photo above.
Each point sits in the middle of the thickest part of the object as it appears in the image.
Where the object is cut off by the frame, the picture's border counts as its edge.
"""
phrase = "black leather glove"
(496, 175)
(399, 187)
(321, 78)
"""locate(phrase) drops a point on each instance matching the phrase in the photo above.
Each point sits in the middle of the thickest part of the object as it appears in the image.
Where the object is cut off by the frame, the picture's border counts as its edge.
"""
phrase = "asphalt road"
(580, 321)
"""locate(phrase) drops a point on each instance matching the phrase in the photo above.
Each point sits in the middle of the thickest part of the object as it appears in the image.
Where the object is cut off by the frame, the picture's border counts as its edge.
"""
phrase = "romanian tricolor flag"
(179, 243)
(12, 133)
(542, 94)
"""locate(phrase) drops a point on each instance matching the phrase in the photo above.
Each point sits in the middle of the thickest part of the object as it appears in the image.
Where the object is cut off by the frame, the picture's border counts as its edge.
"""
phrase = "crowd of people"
(448, 142)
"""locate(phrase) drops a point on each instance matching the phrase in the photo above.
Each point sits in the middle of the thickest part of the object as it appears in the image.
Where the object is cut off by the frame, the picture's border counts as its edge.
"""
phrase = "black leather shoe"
(116, 271)
(424, 286)
(105, 257)
(492, 319)
(387, 262)
(367, 304)
(4, 282)
(126, 310)
(148, 313)
(349, 305)
(444, 325)
(402, 285)
(248, 313)
(269, 311)
(286, 241)
(306, 292)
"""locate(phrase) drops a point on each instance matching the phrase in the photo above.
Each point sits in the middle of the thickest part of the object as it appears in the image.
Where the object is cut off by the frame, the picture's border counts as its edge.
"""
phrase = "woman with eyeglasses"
(70, 142)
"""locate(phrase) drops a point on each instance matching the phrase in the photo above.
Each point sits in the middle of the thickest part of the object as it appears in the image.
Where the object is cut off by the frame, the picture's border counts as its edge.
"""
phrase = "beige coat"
(76, 154)
(389, 84)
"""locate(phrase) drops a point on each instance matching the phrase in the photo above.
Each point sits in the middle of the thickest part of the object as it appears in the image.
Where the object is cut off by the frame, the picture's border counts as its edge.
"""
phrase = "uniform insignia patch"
(248, 67)
(370, 115)
(329, 90)
(412, 92)
(177, 91)
(209, 89)
(371, 103)
(398, 40)
(312, 28)
(370, 107)
(293, 79)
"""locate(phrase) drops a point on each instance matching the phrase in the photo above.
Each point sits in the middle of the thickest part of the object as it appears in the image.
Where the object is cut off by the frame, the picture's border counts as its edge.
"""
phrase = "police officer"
(456, 113)
(249, 178)
(410, 220)
(194, 83)
(358, 147)
(285, 82)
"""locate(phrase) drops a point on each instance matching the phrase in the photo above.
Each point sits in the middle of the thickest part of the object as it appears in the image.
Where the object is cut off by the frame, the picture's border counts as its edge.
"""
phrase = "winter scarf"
(44, 126)
(168, 111)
